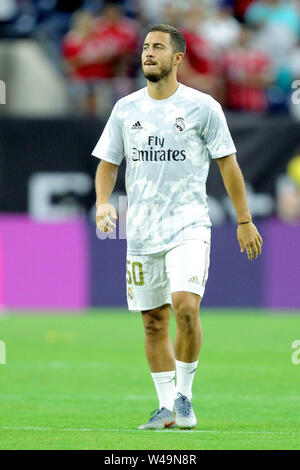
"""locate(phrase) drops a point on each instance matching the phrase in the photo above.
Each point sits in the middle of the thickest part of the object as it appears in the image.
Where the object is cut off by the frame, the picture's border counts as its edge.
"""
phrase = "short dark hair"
(176, 37)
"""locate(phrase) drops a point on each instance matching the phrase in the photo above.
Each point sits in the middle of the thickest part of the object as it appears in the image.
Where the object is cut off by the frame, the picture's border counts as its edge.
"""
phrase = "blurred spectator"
(155, 11)
(276, 26)
(8, 10)
(98, 51)
(288, 192)
(101, 56)
(294, 65)
(118, 38)
(240, 7)
(171, 14)
(293, 168)
(18, 18)
(200, 66)
(55, 22)
(221, 29)
(263, 12)
(247, 73)
(79, 48)
(151, 10)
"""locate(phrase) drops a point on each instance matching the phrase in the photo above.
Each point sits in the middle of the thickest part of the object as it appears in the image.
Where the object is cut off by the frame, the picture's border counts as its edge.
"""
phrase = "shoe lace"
(185, 404)
(154, 414)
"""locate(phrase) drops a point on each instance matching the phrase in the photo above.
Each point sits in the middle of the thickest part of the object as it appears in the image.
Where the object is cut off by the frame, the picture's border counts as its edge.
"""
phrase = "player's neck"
(162, 89)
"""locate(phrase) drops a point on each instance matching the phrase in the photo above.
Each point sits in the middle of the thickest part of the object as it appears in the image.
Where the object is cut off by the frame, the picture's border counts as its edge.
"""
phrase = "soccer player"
(169, 133)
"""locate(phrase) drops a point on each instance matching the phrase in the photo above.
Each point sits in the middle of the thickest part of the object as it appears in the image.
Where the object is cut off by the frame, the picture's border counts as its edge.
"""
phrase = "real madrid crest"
(179, 125)
(129, 293)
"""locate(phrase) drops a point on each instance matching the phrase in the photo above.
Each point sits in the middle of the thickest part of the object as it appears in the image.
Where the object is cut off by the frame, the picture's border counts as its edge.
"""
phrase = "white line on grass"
(38, 428)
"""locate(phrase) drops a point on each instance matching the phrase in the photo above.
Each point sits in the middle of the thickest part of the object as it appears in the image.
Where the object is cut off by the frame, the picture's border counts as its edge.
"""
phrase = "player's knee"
(186, 314)
(154, 324)
(153, 329)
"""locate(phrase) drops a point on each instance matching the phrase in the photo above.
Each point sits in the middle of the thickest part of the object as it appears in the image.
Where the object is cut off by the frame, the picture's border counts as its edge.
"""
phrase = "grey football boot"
(160, 419)
(184, 414)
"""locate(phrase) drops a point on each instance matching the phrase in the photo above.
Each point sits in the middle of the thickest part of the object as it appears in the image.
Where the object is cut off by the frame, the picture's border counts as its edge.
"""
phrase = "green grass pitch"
(82, 382)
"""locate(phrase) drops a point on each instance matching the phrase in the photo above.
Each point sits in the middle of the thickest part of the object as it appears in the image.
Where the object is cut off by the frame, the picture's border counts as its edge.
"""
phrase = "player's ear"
(178, 58)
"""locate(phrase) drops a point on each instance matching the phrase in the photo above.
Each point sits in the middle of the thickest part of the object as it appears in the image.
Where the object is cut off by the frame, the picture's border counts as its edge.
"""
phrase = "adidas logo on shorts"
(137, 125)
(194, 279)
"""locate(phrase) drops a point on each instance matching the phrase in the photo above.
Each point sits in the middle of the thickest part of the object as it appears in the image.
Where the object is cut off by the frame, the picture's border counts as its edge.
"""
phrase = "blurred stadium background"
(63, 64)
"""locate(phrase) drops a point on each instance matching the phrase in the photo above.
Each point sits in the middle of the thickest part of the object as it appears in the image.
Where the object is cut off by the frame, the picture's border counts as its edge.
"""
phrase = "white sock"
(185, 373)
(165, 387)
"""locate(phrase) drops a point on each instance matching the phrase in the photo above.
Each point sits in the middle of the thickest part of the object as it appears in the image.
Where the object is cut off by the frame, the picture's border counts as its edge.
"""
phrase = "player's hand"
(103, 221)
(249, 240)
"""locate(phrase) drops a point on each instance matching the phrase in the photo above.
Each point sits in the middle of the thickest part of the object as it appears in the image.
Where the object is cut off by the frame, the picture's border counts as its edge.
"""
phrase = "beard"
(163, 72)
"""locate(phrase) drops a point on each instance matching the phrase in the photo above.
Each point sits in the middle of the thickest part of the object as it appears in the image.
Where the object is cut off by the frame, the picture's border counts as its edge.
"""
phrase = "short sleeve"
(216, 133)
(110, 146)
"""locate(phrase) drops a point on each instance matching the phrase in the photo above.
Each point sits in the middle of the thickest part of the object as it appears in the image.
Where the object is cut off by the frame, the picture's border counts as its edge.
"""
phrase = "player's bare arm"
(247, 234)
(105, 180)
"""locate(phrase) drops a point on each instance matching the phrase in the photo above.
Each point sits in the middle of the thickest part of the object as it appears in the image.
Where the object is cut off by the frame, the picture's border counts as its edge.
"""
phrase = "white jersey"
(168, 145)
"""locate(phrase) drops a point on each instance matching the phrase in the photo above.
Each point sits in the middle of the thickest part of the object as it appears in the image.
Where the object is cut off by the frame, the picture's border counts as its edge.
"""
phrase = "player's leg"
(187, 347)
(187, 339)
(158, 345)
(148, 291)
(188, 336)
(187, 267)
(161, 360)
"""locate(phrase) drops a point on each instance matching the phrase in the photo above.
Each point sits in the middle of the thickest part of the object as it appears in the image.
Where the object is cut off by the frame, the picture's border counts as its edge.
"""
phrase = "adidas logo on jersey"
(137, 125)
(194, 279)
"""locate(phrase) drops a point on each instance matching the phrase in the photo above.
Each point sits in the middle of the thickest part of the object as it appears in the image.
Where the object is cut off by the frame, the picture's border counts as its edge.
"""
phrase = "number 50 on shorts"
(135, 273)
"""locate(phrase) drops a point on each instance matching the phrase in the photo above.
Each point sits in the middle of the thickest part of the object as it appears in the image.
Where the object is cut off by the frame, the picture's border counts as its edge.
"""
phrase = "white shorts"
(151, 279)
